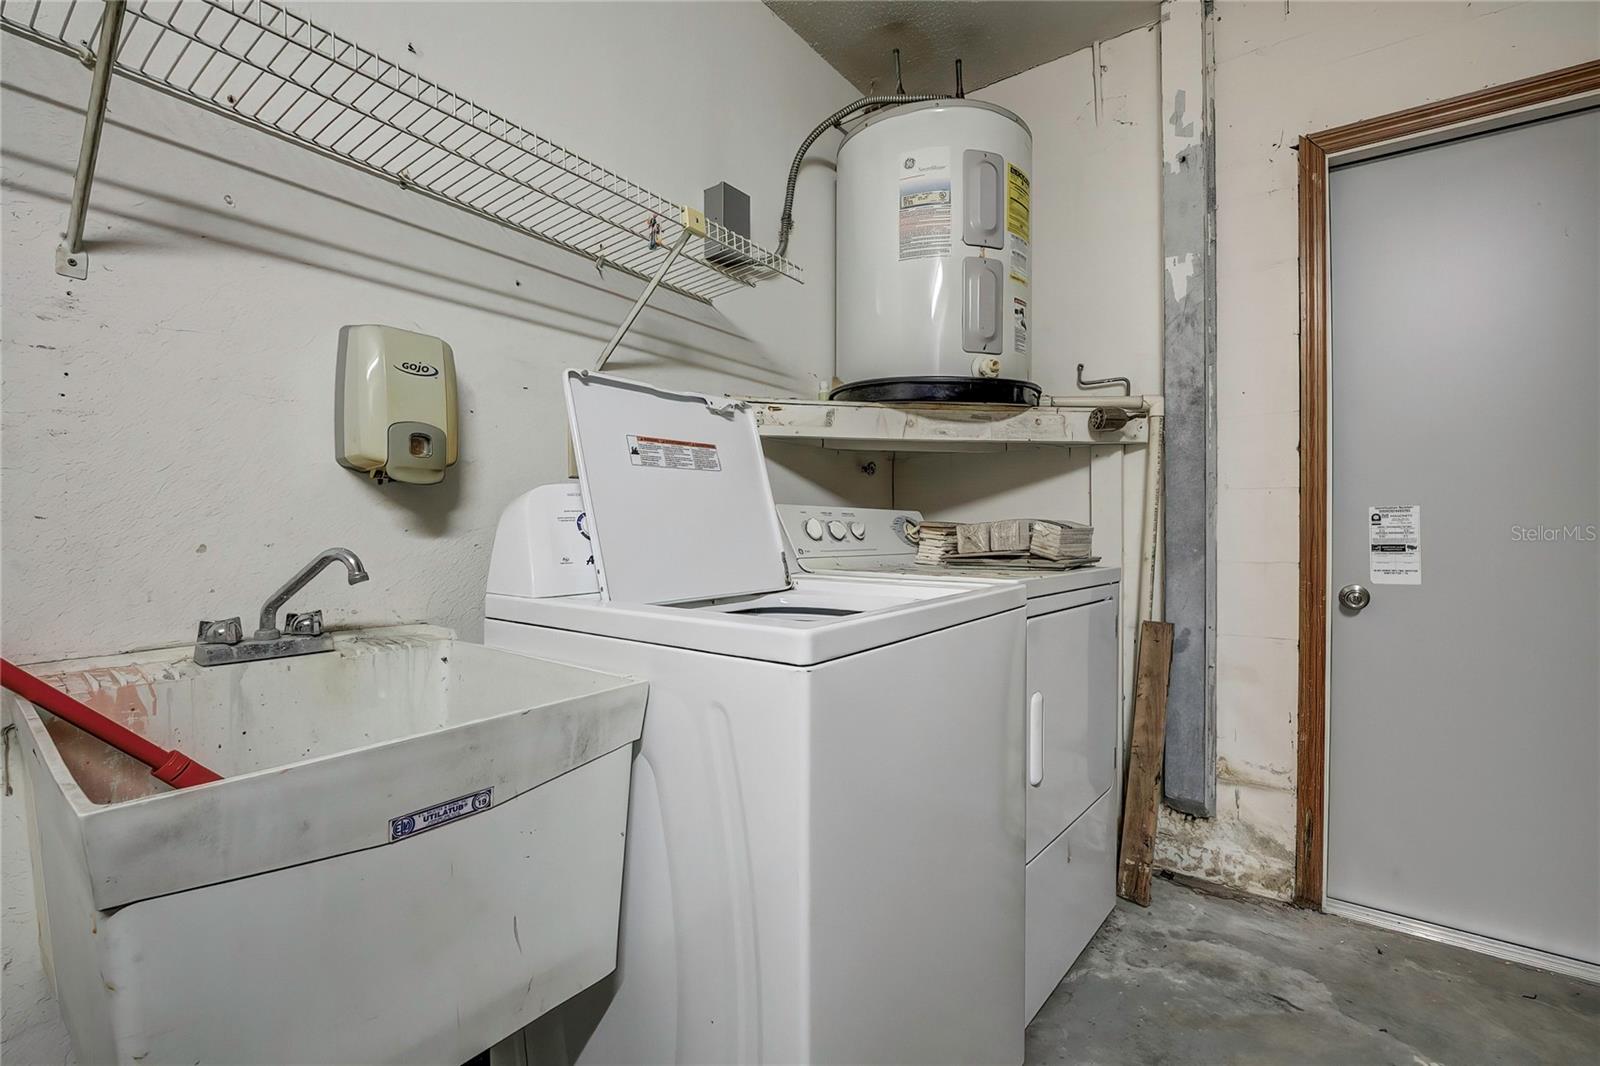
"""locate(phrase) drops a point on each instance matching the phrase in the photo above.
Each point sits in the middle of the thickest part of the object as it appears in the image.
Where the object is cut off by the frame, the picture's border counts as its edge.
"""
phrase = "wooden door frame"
(1315, 150)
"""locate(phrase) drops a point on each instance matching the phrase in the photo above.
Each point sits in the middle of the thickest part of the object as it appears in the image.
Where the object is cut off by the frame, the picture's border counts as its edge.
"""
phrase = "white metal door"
(1072, 715)
(1464, 701)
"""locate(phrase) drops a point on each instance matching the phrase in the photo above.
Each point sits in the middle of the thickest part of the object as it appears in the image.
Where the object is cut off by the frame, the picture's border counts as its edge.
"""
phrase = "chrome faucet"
(268, 629)
(223, 641)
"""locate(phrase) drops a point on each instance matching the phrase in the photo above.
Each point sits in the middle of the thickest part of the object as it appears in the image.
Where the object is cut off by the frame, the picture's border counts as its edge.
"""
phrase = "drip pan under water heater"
(995, 391)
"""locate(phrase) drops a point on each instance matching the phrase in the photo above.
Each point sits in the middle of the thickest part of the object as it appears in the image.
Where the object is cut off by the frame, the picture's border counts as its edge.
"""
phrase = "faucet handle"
(303, 624)
(226, 631)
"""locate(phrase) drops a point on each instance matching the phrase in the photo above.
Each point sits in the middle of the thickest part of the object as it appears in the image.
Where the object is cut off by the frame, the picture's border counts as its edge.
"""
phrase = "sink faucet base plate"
(251, 650)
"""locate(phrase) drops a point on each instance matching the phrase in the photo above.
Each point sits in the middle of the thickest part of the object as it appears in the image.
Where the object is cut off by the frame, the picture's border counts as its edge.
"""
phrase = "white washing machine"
(826, 833)
(1071, 696)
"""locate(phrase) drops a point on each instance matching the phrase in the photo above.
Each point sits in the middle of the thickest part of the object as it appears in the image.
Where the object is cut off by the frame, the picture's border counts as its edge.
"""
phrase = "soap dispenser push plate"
(395, 404)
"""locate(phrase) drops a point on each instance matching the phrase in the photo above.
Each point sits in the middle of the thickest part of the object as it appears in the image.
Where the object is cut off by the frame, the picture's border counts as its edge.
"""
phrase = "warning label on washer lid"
(924, 213)
(665, 454)
(1395, 545)
(1019, 198)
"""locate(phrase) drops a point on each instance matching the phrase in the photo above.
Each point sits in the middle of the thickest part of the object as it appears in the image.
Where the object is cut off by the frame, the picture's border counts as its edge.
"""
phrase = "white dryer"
(826, 833)
(1071, 696)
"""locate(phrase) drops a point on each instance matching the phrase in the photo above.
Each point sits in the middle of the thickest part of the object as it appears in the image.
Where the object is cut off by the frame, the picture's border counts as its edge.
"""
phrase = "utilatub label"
(409, 825)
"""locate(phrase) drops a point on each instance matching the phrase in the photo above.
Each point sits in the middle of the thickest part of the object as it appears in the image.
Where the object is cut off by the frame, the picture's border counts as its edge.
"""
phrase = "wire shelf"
(264, 66)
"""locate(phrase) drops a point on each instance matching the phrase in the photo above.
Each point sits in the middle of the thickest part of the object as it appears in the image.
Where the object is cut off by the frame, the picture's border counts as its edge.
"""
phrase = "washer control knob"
(836, 529)
(814, 528)
(858, 530)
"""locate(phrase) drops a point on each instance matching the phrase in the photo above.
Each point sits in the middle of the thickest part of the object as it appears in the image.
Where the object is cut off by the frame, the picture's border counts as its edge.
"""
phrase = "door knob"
(1354, 597)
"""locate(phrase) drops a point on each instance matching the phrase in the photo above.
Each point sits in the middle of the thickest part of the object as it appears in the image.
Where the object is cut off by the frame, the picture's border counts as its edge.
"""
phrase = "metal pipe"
(1149, 607)
(644, 298)
(1094, 383)
(70, 258)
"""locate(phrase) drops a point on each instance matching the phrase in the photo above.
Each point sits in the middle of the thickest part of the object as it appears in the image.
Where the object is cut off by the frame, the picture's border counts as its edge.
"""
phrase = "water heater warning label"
(1019, 325)
(1019, 199)
(1021, 267)
(665, 454)
(924, 198)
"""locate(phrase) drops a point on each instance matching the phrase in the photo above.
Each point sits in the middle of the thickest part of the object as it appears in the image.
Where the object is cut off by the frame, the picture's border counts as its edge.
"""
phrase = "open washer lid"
(675, 487)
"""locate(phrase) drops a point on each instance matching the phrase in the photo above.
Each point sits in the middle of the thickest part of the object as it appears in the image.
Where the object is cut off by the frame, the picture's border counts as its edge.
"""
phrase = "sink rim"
(16, 708)
(328, 805)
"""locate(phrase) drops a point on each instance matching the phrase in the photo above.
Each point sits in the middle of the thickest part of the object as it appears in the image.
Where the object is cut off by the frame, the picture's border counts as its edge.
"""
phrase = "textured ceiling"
(994, 39)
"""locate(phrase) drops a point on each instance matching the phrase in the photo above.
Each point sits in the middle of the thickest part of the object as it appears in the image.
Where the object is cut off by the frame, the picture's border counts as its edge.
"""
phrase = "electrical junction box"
(728, 207)
(395, 404)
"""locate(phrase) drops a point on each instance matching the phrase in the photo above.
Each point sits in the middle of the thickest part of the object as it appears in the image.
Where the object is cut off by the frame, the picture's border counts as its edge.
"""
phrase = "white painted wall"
(1281, 74)
(1097, 288)
(1096, 210)
(167, 423)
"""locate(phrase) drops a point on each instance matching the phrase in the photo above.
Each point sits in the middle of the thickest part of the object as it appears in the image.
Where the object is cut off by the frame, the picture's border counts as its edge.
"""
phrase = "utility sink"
(416, 850)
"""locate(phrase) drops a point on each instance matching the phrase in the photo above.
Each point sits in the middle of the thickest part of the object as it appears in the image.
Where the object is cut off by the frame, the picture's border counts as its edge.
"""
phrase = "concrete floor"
(1199, 978)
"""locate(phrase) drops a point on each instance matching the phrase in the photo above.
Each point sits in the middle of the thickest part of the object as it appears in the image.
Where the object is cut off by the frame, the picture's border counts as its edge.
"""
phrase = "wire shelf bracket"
(282, 74)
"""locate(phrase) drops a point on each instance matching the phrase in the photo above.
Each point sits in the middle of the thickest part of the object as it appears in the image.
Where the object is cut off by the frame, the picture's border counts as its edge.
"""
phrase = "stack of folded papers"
(1061, 540)
(936, 542)
(1032, 543)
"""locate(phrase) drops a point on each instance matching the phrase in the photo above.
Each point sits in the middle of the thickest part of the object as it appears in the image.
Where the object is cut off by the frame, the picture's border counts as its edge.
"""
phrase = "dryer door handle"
(1036, 739)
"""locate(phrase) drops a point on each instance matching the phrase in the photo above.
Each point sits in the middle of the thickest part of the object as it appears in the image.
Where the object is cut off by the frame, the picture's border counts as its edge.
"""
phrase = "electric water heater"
(934, 255)
(395, 404)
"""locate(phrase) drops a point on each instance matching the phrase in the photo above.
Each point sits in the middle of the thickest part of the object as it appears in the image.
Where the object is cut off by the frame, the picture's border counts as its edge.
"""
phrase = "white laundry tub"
(303, 910)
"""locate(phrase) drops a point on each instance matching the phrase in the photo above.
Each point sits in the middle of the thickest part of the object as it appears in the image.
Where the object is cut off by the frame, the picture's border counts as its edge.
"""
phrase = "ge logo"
(910, 162)
(480, 802)
(1377, 518)
(404, 826)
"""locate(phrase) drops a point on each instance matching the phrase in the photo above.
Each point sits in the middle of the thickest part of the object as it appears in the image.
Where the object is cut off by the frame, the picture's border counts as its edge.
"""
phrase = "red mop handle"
(173, 767)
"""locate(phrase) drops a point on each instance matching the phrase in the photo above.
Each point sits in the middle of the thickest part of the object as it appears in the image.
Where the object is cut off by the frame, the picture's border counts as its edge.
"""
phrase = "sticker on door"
(1394, 536)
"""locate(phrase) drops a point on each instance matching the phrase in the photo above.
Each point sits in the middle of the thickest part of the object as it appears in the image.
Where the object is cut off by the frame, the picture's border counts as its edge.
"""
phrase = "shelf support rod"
(694, 224)
(71, 259)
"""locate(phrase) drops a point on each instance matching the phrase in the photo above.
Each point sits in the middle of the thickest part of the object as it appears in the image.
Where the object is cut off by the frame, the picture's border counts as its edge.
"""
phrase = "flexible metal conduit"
(786, 222)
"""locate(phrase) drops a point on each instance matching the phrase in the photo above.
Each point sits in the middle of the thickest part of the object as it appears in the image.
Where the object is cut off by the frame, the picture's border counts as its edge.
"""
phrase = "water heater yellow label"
(1018, 198)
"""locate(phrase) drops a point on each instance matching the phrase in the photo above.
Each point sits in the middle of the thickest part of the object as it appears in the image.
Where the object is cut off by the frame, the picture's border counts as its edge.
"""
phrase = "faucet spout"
(357, 573)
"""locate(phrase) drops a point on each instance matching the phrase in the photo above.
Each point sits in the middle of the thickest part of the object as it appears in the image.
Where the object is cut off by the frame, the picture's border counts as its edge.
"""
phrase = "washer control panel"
(848, 532)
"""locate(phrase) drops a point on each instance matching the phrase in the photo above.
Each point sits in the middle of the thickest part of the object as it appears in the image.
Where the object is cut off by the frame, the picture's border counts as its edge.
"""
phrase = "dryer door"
(1072, 715)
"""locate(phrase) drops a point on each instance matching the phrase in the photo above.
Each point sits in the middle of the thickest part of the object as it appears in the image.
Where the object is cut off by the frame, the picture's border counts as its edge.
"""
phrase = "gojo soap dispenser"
(395, 404)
